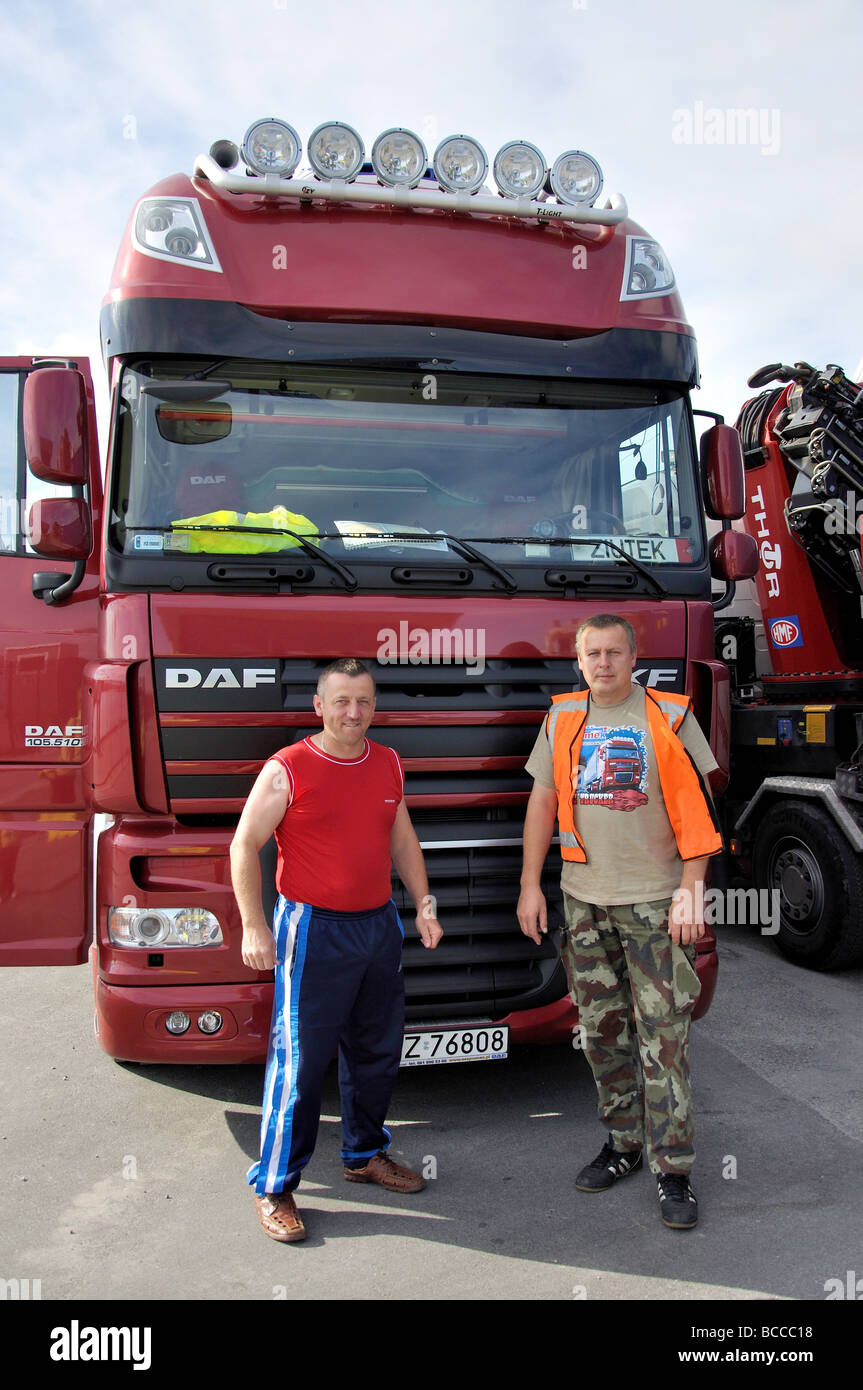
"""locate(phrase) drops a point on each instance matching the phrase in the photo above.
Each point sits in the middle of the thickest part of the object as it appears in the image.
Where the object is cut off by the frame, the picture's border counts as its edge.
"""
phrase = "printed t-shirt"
(620, 810)
(334, 838)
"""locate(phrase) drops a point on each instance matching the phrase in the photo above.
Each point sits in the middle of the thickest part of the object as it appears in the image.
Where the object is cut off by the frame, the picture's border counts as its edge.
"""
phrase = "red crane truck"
(794, 810)
(365, 407)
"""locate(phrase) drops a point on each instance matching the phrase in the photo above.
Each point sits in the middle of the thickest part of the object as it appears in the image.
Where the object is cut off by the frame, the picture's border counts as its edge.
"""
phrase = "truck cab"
(424, 424)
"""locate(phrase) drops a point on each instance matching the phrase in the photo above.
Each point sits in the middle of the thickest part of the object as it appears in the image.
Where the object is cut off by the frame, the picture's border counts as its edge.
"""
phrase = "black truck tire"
(800, 850)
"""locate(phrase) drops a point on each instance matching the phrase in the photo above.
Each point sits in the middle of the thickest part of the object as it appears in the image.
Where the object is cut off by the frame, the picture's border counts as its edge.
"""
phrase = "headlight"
(460, 164)
(519, 169)
(173, 229)
(576, 178)
(647, 271)
(335, 151)
(163, 927)
(272, 147)
(399, 158)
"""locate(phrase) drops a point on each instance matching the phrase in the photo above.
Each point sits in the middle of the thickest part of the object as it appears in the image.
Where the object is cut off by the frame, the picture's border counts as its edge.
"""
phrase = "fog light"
(177, 1022)
(210, 1022)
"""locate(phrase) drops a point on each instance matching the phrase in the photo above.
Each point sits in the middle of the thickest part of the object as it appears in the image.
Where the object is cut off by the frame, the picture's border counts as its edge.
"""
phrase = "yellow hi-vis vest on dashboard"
(687, 804)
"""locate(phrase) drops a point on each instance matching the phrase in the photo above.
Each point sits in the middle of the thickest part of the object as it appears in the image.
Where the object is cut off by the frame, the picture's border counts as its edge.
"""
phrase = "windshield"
(363, 463)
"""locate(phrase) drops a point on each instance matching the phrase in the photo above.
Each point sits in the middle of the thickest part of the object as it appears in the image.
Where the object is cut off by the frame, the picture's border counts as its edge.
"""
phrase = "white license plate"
(426, 1046)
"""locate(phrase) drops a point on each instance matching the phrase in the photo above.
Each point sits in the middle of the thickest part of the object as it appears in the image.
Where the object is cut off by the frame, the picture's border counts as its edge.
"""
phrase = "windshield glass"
(366, 463)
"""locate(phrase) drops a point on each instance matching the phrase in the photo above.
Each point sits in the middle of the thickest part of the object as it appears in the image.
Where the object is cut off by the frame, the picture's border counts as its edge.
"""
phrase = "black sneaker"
(677, 1205)
(606, 1168)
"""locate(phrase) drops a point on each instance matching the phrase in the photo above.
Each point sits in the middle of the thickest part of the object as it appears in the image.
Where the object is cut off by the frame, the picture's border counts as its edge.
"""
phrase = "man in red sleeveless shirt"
(335, 802)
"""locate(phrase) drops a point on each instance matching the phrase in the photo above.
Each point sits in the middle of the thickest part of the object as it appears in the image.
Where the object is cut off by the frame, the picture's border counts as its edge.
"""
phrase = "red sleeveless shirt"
(334, 839)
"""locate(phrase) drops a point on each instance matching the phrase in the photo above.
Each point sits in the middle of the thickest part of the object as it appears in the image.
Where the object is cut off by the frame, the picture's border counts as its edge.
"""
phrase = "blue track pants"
(338, 983)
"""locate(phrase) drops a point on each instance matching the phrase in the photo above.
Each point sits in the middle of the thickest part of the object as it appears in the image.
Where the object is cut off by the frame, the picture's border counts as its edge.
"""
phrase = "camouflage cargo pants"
(635, 991)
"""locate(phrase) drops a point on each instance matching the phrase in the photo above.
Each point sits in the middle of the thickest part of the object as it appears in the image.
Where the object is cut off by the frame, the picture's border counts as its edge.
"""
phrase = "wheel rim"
(796, 873)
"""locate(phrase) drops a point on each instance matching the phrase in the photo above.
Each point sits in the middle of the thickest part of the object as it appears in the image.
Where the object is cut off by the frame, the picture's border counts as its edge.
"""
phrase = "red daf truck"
(361, 407)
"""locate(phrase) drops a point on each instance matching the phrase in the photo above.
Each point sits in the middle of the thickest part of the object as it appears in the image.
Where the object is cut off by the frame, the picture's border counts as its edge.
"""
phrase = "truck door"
(44, 646)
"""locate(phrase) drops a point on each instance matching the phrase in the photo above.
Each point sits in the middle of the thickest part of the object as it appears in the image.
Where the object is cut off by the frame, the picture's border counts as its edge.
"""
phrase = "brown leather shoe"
(279, 1216)
(392, 1176)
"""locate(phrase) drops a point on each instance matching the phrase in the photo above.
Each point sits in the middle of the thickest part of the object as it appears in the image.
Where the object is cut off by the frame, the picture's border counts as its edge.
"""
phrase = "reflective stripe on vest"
(687, 804)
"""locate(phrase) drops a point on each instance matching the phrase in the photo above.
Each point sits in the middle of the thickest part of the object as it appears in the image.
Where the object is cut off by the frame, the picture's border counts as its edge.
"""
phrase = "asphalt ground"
(126, 1182)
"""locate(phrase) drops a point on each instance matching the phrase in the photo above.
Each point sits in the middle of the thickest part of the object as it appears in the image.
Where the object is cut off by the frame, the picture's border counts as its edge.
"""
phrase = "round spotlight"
(177, 1022)
(460, 164)
(520, 169)
(272, 147)
(210, 1022)
(576, 178)
(399, 158)
(335, 151)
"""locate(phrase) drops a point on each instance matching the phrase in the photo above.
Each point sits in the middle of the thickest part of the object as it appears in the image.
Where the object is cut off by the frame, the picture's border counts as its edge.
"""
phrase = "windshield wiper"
(576, 540)
(350, 580)
(462, 547)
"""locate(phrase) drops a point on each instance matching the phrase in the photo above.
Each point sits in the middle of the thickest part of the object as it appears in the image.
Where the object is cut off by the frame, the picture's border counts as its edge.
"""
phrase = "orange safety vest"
(687, 803)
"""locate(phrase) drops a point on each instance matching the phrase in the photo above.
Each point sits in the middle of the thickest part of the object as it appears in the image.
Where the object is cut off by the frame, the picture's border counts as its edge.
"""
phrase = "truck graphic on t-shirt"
(615, 763)
(612, 769)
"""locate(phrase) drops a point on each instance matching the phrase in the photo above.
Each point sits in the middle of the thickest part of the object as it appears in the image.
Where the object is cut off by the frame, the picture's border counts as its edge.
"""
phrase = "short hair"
(345, 666)
(604, 620)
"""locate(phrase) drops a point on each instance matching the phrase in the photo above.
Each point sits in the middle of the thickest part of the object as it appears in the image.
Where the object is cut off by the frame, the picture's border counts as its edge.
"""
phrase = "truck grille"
(465, 737)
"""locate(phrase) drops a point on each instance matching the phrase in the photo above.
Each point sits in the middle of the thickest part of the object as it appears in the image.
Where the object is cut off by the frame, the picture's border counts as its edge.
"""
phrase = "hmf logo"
(785, 632)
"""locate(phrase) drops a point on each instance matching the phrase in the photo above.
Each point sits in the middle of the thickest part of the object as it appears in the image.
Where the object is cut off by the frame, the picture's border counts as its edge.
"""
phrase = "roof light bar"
(399, 175)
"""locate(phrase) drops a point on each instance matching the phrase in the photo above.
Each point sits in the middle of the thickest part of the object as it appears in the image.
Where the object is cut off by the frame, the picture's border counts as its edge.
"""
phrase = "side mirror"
(59, 527)
(733, 556)
(55, 425)
(722, 477)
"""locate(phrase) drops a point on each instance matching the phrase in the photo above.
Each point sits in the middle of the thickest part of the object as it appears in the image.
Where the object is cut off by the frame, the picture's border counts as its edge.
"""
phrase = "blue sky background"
(100, 99)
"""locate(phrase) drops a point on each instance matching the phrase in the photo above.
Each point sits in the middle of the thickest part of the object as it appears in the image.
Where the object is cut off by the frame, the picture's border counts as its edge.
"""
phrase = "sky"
(102, 98)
